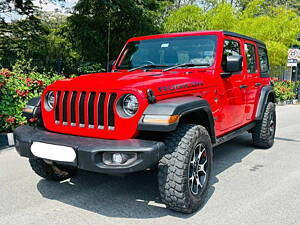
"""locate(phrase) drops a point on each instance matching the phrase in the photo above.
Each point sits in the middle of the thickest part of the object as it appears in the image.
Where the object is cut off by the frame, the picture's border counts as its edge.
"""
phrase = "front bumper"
(89, 151)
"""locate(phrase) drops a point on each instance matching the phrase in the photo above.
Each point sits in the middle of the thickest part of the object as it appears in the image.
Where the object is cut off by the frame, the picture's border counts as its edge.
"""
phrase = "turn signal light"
(161, 119)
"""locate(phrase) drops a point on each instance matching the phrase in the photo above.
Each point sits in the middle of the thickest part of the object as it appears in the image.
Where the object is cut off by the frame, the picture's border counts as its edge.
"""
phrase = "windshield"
(165, 52)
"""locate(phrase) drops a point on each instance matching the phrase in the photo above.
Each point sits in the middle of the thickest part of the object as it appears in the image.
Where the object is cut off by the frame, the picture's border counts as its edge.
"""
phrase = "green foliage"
(21, 37)
(222, 17)
(185, 19)
(92, 19)
(276, 26)
(90, 68)
(78, 43)
(16, 88)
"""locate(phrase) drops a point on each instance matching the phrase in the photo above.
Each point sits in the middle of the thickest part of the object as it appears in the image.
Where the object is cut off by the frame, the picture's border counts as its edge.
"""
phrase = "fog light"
(118, 158)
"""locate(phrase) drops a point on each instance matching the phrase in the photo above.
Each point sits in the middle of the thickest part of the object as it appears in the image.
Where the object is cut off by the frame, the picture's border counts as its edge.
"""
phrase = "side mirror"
(233, 64)
(110, 65)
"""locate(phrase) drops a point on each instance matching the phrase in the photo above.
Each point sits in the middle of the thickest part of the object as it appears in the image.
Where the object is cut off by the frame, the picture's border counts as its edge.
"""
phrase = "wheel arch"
(267, 95)
(201, 116)
(190, 109)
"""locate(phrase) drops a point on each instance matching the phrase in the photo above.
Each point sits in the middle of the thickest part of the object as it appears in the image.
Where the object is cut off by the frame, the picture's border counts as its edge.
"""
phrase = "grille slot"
(91, 109)
(101, 101)
(111, 114)
(57, 111)
(76, 108)
(73, 109)
(65, 102)
(81, 109)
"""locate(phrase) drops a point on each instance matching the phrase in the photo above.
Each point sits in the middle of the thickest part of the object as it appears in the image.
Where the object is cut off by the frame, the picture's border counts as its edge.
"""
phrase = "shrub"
(16, 88)
(86, 68)
(286, 90)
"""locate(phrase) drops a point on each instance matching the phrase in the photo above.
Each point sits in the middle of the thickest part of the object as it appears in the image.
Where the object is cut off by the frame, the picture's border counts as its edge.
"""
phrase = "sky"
(45, 5)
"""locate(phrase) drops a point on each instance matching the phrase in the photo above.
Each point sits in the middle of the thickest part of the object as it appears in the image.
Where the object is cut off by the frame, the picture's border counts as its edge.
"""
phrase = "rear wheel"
(263, 133)
(50, 170)
(185, 171)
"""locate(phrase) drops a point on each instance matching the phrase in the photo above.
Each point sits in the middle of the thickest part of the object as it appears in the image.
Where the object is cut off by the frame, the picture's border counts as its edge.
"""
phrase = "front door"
(232, 91)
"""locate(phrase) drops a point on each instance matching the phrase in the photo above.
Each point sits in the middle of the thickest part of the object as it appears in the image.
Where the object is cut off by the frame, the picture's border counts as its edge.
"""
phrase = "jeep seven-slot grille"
(85, 109)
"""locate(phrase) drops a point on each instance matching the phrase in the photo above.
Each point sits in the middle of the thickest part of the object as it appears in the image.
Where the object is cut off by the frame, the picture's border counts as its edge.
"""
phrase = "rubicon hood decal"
(179, 86)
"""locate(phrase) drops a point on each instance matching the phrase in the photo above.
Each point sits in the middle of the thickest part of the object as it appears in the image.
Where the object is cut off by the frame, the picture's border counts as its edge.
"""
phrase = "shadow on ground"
(135, 195)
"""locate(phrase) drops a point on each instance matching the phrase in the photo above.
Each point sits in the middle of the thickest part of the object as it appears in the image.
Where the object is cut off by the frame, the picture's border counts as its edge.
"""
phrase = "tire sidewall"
(271, 110)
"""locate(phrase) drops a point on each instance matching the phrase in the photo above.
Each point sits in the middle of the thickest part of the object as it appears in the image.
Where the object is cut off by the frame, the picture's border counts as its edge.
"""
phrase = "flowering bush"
(16, 88)
(286, 90)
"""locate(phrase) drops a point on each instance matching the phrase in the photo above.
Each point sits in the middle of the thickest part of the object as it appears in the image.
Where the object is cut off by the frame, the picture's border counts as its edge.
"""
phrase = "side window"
(231, 47)
(251, 58)
(263, 60)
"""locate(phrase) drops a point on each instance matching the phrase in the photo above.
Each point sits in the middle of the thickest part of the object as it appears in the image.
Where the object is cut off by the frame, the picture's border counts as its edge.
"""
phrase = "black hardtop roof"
(233, 34)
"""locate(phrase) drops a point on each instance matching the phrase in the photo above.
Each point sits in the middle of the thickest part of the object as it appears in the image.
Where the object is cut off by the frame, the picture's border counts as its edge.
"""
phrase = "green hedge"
(16, 88)
(286, 90)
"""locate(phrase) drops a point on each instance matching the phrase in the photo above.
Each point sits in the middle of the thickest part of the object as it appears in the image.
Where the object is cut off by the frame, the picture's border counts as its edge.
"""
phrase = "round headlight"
(130, 104)
(50, 98)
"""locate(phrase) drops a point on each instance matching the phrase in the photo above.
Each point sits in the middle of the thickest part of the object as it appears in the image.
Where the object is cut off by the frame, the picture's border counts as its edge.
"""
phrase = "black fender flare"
(177, 106)
(267, 94)
(32, 108)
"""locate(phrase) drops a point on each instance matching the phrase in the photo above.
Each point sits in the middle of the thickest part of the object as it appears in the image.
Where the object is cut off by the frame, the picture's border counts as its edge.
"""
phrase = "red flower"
(10, 120)
(5, 72)
(22, 93)
(32, 120)
(39, 83)
(2, 84)
(282, 89)
(28, 82)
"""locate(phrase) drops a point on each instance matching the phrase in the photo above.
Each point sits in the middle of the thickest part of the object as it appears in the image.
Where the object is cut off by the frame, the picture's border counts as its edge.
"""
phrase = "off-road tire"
(261, 136)
(173, 168)
(51, 171)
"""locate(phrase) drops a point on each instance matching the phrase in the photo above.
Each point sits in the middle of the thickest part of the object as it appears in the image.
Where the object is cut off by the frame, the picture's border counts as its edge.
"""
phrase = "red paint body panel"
(232, 107)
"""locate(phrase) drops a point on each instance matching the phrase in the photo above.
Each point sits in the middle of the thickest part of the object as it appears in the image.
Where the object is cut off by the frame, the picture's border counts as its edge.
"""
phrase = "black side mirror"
(234, 63)
(111, 63)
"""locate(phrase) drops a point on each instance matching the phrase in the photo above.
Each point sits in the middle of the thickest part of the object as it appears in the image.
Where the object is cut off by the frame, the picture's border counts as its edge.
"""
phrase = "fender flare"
(177, 106)
(32, 108)
(266, 93)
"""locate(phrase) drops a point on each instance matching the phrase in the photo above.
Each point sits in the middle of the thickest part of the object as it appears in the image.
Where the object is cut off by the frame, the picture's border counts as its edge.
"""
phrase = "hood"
(159, 82)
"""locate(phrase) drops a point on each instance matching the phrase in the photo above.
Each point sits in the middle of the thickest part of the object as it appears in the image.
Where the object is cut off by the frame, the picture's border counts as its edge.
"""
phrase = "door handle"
(257, 84)
(243, 86)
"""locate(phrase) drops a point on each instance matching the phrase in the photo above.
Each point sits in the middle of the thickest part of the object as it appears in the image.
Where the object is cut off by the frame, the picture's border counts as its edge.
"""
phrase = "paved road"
(250, 186)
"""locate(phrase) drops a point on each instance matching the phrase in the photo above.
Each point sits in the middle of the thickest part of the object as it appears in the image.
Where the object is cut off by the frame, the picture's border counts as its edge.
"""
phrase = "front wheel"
(50, 170)
(185, 171)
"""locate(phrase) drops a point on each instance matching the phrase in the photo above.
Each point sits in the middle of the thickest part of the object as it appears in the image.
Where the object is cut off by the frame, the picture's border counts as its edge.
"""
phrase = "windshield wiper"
(149, 65)
(186, 65)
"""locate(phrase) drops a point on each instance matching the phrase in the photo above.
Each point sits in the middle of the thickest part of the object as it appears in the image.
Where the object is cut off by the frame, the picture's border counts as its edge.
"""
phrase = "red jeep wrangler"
(168, 100)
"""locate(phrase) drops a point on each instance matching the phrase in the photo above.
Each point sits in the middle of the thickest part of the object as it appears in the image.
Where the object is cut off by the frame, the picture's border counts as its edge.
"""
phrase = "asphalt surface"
(250, 186)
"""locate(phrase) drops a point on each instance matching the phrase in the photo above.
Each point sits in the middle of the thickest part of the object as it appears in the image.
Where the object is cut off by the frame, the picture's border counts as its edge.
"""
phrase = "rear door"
(252, 77)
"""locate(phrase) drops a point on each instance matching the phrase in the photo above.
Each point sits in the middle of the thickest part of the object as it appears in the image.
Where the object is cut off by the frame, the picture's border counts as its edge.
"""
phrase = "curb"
(6, 140)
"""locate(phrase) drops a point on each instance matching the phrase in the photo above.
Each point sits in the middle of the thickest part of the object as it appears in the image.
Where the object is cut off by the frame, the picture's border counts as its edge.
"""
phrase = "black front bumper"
(89, 151)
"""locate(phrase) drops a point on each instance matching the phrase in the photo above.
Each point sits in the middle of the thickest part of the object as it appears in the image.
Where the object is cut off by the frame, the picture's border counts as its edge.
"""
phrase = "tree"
(276, 26)
(92, 19)
(21, 32)
(222, 17)
(20, 37)
(242, 4)
(186, 18)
